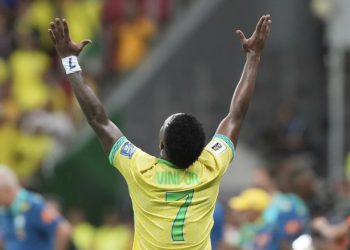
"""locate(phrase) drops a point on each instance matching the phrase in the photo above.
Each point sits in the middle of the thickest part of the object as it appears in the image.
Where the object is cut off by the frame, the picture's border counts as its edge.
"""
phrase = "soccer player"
(173, 195)
(26, 220)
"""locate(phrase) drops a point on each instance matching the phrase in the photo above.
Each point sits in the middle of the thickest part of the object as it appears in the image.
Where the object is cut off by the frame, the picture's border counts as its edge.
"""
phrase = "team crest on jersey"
(128, 149)
(217, 147)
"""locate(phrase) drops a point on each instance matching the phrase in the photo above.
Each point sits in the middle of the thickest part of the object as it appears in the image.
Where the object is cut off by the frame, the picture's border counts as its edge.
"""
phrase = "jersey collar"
(168, 163)
(16, 206)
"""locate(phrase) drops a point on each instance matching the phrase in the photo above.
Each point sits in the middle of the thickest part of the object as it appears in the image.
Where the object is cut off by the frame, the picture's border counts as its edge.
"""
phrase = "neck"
(163, 155)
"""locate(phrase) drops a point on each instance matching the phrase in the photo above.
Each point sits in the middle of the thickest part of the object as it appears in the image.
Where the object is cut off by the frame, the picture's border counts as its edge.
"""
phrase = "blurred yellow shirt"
(83, 236)
(29, 88)
(4, 71)
(173, 208)
(112, 238)
(39, 15)
(8, 138)
(83, 18)
(133, 42)
(29, 153)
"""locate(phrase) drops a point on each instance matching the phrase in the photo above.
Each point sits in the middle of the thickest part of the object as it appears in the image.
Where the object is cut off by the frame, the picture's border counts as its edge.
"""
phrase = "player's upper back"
(173, 207)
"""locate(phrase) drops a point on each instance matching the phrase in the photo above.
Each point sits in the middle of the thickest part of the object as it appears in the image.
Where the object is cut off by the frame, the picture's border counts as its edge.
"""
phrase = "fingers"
(52, 36)
(261, 26)
(265, 29)
(65, 28)
(241, 35)
(54, 31)
(260, 23)
(83, 43)
(59, 30)
(268, 28)
(59, 26)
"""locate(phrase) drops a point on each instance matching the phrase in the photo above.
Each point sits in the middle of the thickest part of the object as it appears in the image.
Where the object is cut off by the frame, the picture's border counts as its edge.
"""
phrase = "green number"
(177, 230)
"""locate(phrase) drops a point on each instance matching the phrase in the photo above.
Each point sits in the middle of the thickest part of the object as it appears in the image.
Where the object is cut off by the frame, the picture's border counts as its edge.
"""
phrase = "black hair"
(184, 140)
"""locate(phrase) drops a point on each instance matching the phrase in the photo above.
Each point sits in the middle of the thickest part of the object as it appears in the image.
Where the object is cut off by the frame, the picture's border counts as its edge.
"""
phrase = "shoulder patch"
(217, 147)
(128, 149)
(49, 214)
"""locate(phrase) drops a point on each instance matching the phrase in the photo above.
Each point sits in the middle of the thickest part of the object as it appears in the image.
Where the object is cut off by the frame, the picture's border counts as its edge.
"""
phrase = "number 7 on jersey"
(178, 224)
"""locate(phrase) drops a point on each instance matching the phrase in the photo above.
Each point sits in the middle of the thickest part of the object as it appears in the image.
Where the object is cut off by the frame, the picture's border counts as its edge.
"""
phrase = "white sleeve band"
(70, 64)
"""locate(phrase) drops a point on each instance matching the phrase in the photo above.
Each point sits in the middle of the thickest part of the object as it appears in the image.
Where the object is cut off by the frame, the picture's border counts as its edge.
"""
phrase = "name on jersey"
(175, 178)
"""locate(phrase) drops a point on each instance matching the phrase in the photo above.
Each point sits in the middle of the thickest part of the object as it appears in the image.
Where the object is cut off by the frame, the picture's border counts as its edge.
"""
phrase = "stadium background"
(152, 58)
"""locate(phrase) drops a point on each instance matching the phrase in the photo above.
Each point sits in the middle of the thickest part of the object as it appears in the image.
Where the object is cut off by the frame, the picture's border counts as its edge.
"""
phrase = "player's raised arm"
(68, 50)
(253, 47)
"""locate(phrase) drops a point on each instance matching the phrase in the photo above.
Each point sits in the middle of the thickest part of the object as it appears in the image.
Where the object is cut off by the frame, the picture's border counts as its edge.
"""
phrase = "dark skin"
(109, 133)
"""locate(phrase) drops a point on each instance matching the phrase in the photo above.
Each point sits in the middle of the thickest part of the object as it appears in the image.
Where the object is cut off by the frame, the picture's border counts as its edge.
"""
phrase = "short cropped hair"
(184, 140)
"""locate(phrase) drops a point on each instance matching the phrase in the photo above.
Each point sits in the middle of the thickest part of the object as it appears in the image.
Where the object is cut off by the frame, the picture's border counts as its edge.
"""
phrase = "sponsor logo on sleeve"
(128, 149)
(217, 147)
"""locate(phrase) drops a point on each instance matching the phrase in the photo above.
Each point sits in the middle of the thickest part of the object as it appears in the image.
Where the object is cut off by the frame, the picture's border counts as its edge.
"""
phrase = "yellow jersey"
(173, 208)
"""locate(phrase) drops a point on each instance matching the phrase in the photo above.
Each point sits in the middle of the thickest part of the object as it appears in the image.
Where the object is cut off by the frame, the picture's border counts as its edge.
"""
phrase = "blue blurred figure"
(217, 230)
(26, 221)
(287, 217)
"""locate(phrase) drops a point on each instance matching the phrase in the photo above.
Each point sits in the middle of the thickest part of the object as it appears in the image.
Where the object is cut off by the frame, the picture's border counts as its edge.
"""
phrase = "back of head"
(7, 178)
(184, 140)
(302, 181)
(9, 186)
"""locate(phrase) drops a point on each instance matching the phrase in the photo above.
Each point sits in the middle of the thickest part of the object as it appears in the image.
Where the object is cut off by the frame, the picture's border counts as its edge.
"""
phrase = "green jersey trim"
(168, 163)
(228, 142)
(115, 148)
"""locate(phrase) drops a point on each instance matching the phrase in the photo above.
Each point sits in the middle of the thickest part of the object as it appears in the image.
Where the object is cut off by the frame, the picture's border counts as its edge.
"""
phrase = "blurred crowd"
(36, 103)
(287, 207)
(113, 233)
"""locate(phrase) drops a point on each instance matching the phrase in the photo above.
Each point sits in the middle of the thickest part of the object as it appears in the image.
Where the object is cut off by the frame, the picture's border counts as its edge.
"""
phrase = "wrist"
(71, 64)
(253, 56)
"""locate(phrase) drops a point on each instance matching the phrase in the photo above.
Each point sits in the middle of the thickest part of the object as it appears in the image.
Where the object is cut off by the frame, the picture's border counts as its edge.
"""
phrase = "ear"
(161, 145)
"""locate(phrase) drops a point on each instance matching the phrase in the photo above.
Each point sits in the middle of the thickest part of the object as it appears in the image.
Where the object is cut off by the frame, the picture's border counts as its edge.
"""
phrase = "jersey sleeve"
(218, 153)
(126, 157)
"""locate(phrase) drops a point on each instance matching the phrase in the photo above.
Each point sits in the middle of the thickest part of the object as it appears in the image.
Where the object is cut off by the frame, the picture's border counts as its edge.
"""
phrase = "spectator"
(83, 232)
(233, 221)
(251, 204)
(332, 235)
(83, 17)
(287, 216)
(5, 34)
(35, 15)
(113, 234)
(292, 129)
(28, 65)
(133, 36)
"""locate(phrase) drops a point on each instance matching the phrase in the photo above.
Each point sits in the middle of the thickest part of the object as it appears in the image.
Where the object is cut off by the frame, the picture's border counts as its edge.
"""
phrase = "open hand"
(59, 34)
(255, 44)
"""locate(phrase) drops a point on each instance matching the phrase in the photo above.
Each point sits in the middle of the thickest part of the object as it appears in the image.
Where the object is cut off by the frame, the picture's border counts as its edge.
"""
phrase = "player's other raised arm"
(253, 47)
(94, 112)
